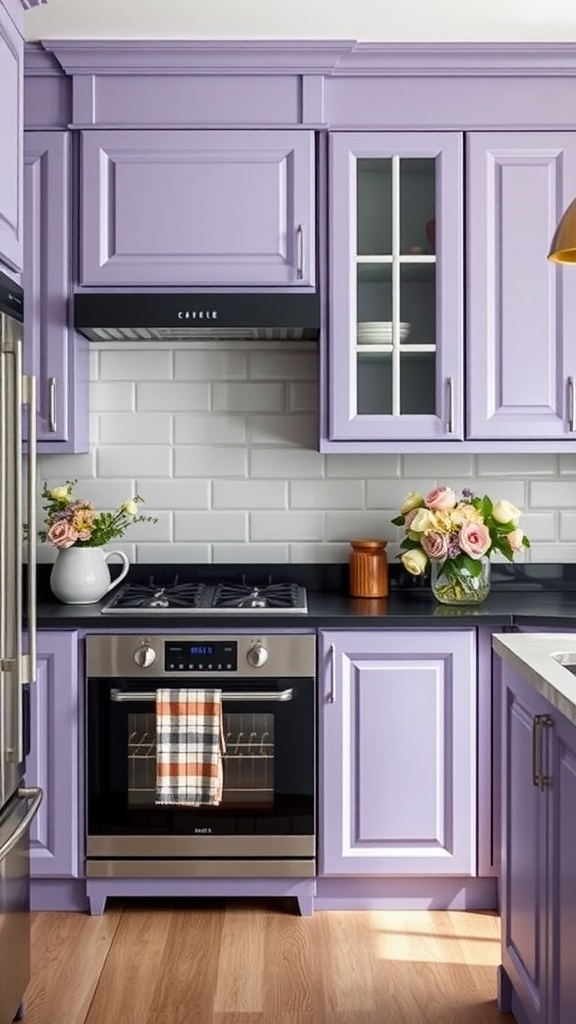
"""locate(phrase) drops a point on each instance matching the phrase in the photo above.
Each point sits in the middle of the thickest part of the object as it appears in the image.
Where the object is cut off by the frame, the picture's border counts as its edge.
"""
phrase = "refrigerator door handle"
(28, 667)
(35, 795)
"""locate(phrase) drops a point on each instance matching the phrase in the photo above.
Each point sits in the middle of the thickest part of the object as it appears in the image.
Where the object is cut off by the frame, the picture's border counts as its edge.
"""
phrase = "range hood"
(162, 316)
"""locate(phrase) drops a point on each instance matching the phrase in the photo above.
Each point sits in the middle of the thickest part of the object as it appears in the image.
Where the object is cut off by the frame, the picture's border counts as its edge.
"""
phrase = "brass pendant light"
(563, 247)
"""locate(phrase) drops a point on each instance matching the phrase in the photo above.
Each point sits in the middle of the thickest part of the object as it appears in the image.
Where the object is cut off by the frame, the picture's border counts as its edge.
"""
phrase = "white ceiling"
(381, 20)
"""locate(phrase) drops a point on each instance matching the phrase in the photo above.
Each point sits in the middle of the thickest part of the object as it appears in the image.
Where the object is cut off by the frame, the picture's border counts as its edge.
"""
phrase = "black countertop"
(542, 596)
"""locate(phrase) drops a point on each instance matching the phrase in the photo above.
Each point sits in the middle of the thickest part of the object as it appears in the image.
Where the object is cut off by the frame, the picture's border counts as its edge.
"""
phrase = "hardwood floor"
(257, 962)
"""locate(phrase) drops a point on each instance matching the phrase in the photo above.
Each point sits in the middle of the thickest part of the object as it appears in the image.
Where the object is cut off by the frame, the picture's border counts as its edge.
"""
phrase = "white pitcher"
(82, 576)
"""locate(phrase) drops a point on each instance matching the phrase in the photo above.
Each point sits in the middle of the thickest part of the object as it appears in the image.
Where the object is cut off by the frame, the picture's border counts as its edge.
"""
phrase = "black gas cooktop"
(185, 596)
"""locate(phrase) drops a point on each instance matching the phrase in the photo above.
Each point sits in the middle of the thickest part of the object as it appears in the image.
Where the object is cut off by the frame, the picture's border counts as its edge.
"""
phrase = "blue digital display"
(201, 649)
(202, 656)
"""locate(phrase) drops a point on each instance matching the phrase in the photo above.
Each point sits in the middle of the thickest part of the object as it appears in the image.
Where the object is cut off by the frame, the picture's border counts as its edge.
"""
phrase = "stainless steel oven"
(265, 822)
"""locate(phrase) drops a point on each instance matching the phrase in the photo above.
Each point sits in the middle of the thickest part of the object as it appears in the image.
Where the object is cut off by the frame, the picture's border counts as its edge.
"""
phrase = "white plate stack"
(379, 332)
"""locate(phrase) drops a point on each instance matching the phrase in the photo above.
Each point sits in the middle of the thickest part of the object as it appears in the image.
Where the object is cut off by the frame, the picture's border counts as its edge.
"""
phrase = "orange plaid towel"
(189, 747)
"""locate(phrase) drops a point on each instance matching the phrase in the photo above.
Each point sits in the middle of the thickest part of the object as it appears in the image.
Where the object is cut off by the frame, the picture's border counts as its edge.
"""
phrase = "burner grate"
(155, 595)
(192, 596)
(246, 595)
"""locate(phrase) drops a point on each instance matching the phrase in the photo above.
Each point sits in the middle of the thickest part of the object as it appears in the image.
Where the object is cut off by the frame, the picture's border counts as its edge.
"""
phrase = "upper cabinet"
(396, 302)
(521, 360)
(11, 114)
(404, 362)
(53, 353)
(197, 208)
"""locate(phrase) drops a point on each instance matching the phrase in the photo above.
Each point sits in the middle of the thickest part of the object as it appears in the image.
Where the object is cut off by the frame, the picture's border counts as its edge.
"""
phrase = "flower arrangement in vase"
(80, 574)
(454, 535)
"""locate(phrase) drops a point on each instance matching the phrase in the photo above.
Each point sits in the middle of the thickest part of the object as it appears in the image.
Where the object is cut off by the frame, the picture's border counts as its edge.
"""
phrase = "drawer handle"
(539, 723)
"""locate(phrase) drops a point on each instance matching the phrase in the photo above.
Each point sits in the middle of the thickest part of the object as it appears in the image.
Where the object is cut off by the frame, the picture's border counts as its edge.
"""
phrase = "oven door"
(268, 802)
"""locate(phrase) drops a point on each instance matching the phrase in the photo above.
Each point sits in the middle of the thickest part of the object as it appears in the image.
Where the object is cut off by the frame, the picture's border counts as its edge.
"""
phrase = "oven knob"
(145, 656)
(257, 656)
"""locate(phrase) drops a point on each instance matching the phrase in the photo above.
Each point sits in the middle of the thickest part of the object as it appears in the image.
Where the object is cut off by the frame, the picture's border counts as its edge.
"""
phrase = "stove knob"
(257, 655)
(145, 656)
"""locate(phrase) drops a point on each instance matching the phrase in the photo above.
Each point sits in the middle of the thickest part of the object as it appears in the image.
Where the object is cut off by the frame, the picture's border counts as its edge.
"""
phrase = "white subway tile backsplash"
(135, 363)
(176, 396)
(210, 526)
(257, 397)
(325, 494)
(135, 428)
(210, 461)
(249, 494)
(221, 442)
(146, 460)
(209, 429)
(287, 526)
(286, 463)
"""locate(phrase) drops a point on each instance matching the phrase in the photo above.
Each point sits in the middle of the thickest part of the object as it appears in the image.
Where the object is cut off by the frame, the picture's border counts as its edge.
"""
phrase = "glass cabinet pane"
(396, 286)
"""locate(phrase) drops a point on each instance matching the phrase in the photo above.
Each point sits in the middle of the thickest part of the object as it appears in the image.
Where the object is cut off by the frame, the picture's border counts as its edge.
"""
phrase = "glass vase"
(454, 584)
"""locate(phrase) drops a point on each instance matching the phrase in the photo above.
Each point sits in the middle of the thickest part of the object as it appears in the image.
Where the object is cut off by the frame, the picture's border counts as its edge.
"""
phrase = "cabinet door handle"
(300, 252)
(53, 418)
(539, 723)
(571, 405)
(332, 694)
(450, 405)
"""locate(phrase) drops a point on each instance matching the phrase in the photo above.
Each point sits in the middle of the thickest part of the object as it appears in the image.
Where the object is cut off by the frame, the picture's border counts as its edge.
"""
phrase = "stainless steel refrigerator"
(18, 804)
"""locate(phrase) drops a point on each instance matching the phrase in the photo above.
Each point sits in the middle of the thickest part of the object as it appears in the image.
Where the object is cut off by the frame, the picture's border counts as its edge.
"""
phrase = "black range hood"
(175, 316)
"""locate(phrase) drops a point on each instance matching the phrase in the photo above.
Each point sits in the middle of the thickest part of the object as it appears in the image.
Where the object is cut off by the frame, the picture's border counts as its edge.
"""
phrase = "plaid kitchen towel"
(189, 747)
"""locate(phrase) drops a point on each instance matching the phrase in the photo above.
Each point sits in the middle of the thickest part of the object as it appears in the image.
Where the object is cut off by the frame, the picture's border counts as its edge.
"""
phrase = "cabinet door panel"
(53, 760)
(563, 795)
(524, 851)
(396, 306)
(11, 91)
(520, 315)
(398, 761)
(197, 208)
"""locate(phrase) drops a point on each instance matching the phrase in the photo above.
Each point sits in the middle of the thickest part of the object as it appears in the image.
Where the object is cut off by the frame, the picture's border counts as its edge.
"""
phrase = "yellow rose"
(59, 493)
(130, 508)
(412, 500)
(505, 512)
(423, 520)
(415, 561)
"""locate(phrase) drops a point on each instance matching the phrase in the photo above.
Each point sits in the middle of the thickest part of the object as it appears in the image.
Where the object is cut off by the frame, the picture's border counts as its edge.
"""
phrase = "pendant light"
(563, 247)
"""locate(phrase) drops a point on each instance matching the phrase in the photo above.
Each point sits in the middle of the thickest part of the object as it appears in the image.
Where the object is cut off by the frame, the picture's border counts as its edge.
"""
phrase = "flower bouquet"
(74, 522)
(455, 535)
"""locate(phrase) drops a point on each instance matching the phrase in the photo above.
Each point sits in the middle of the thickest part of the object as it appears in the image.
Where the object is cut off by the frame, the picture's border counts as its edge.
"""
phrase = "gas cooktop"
(194, 597)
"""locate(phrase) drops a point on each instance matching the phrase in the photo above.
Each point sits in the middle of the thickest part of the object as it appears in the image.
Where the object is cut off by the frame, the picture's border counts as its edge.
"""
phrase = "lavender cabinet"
(537, 980)
(53, 762)
(397, 777)
(11, 115)
(396, 288)
(521, 363)
(197, 208)
(53, 353)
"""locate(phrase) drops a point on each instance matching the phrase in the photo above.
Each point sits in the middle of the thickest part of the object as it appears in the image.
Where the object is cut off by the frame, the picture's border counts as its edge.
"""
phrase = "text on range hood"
(163, 316)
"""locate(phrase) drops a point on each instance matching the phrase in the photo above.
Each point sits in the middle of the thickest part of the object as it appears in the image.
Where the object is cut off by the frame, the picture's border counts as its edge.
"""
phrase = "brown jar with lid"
(368, 568)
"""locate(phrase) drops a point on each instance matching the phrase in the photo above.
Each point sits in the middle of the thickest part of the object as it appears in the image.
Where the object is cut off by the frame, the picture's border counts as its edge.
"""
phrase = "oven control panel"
(200, 656)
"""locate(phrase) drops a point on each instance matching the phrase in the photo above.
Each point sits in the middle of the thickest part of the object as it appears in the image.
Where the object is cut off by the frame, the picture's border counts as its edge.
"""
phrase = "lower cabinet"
(397, 777)
(53, 761)
(538, 981)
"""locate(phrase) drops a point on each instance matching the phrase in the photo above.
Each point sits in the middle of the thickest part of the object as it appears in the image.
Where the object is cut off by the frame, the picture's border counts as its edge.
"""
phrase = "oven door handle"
(120, 696)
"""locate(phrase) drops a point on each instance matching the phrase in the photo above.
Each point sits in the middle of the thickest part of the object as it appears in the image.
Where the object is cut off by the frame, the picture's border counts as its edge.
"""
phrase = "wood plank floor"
(257, 962)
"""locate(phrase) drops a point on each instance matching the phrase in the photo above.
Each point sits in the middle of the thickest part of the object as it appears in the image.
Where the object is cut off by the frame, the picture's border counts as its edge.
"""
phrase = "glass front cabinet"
(395, 367)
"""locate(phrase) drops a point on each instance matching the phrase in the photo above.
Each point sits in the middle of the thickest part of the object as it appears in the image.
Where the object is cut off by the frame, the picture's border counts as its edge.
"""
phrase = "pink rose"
(440, 499)
(474, 539)
(515, 538)
(62, 534)
(435, 544)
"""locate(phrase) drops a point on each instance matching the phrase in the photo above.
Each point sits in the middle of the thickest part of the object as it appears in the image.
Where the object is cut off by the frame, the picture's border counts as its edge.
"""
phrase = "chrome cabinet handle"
(53, 418)
(35, 795)
(332, 694)
(539, 723)
(571, 405)
(300, 252)
(282, 696)
(450, 405)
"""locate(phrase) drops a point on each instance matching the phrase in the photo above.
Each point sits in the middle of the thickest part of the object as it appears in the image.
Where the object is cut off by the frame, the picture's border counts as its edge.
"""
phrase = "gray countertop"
(532, 657)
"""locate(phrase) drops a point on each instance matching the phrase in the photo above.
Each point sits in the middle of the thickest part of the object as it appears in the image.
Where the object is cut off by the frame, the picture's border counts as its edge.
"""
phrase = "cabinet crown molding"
(334, 57)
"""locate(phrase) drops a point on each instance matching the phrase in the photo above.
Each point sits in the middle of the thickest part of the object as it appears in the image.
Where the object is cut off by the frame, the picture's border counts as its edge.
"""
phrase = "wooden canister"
(368, 568)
